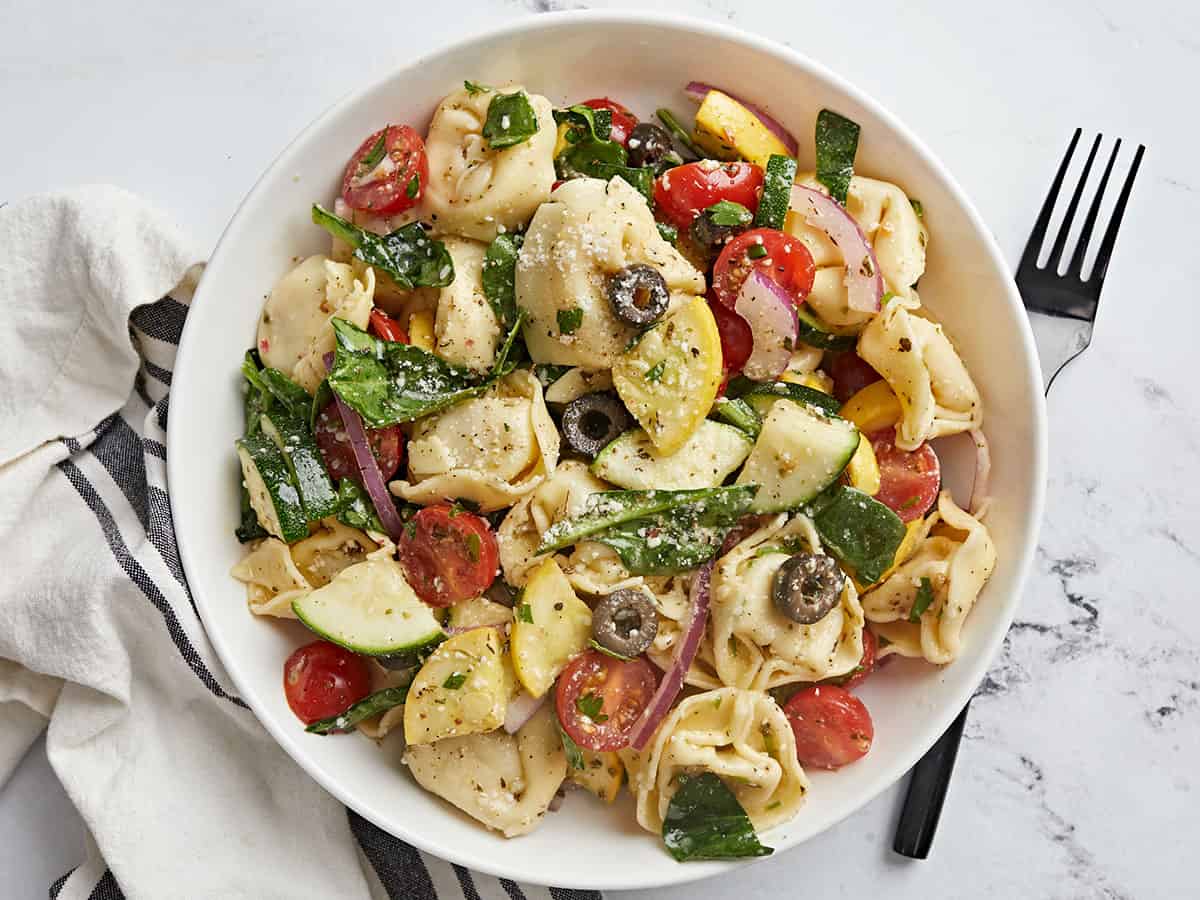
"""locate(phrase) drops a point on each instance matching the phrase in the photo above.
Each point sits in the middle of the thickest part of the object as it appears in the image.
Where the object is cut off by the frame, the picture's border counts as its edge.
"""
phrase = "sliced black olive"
(625, 622)
(650, 145)
(592, 421)
(638, 295)
(710, 235)
(807, 586)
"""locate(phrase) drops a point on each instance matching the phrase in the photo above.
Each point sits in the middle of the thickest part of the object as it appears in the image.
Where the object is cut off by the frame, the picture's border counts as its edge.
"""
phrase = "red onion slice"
(521, 709)
(672, 681)
(771, 314)
(864, 283)
(368, 468)
(983, 471)
(697, 89)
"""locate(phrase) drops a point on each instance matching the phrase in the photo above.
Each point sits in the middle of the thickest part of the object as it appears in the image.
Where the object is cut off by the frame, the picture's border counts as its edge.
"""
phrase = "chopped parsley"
(474, 87)
(574, 754)
(655, 372)
(917, 207)
(414, 187)
(377, 152)
(756, 251)
(728, 213)
(455, 681)
(474, 546)
(525, 613)
(569, 320)
(921, 601)
(590, 704)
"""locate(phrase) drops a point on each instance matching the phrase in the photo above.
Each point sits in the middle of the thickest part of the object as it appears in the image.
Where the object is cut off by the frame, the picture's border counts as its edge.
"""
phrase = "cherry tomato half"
(784, 259)
(832, 726)
(736, 338)
(322, 680)
(600, 699)
(334, 443)
(448, 554)
(908, 480)
(850, 373)
(622, 119)
(682, 193)
(386, 328)
(867, 664)
(390, 182)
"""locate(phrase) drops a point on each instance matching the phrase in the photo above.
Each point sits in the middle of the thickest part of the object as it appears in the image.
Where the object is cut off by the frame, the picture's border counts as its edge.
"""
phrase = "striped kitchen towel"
(182, 791)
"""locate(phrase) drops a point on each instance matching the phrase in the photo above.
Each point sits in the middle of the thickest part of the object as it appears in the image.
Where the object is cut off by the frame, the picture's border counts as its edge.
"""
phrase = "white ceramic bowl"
(643, 60)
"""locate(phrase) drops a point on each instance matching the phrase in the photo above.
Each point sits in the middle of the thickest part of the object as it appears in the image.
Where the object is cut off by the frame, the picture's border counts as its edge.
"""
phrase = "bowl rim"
(979, 662)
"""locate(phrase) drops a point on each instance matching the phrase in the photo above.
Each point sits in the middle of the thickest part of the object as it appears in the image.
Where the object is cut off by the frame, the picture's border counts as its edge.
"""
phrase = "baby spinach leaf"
(500, 277)
(570, 748)
(858, 530)
(667, 232)
(285, 392)
(510, 120)
(370, 705)
(596, 122)
(254, 404)
(408, 254)
(705, 821)
(837, 144)
(656, 532)
(728, 213)
(591, 152)
(355, 507)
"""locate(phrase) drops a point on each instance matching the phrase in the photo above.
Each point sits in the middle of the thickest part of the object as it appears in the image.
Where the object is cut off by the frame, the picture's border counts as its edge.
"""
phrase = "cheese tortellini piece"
(958, 557)
(916, 359)
(505, 781)
(474, 190)
(892, 227)
(563, 495)
(466, 328)
(294, 330)
(755, 645)
(741, 736)
(590, 230)
(491, 450)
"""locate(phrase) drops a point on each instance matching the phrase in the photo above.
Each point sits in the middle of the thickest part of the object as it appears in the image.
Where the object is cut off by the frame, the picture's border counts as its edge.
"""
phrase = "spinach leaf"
(574, 754)
(667, 232)
(254, 404)
(500, 277)
(408, 254)
(387, 382)
(510, 120)
(858, 530)
(370, 705)
(705, 821)
(506, 355)
(921, 601)
(322, 398)
(656, 532)
(728, 213)
(837, 144)
(548, 374)
(597, 122)
(590, 151)
(285, 392)
(355, 507)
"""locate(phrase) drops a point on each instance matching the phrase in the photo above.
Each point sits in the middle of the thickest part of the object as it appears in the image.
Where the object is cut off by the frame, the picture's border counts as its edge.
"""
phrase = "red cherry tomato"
(322, 680)
(783, 258)
(448, 554)
(622, 119)
(385, 185)
(908, 481)
(832, 726)
(600, 699)
(334, 443)
(682, 193)
(736, 338)
(386, 328)
(867, 664)
(850, 373)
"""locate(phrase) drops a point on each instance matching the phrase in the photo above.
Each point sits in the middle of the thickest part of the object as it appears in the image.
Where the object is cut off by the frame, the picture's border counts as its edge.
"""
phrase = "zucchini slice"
(273, 494)
(709, 454)
(369, 608)
(816, 333)
(317, 493)
(797, 455)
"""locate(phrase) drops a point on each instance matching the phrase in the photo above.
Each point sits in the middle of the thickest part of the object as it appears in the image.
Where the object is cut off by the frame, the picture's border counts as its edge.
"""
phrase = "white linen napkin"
(183, 792)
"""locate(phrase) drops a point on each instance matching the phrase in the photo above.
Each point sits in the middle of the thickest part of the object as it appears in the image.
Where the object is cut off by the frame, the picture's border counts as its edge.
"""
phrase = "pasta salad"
(597, 452)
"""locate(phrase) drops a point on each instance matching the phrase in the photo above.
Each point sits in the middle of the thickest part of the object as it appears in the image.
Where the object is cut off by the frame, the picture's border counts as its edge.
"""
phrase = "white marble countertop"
(1078, 776)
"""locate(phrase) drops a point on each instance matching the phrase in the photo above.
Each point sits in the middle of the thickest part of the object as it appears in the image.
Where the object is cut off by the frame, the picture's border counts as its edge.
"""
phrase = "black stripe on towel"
(107, 888)
(162, 320)
(136, 574)
(119, 450)
(57, 886)
(466, 881)
(161, 532)
(399, 866)
(573, 894)
(512, 889)
(158, 372)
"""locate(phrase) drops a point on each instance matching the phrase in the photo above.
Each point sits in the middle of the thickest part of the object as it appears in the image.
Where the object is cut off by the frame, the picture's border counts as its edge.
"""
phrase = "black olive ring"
(807, 587)
(638, 295)
(591, 422)
(625, 622)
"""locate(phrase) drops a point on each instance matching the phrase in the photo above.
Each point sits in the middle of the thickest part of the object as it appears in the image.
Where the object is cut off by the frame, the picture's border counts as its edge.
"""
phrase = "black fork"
(1062, 308)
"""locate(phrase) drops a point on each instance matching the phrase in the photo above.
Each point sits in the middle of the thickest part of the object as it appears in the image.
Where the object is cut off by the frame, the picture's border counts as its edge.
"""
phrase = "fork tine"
(1064, 229)
(1114, 224)
(1034, 246)
(1085, 235)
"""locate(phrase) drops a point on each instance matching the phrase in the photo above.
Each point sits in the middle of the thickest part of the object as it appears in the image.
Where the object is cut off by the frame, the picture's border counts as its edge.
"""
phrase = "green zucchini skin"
(290, 434)
(779, 176)
(816, 333)
(273, 494)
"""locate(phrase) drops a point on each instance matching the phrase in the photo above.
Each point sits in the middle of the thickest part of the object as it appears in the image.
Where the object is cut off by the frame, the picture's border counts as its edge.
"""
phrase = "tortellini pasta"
(474, 190)
(562, 495)
(577, 382)
(505, 781)
(491, 450)
(467, 329)
(588, 231)
(892, 227)
(916, 359)
(958, 557)
(294, 331)
(739, 735)
(758, 647)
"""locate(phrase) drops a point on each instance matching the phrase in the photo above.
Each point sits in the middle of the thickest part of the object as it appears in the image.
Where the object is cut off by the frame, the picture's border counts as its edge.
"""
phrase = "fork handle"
(927, 792)
(1059, 340)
